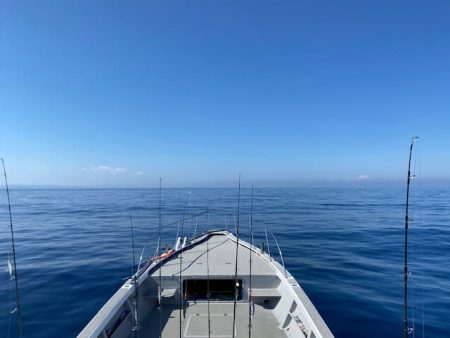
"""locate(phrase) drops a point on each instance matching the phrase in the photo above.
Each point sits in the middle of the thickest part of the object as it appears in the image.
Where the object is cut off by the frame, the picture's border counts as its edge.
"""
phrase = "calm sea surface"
(344, 245)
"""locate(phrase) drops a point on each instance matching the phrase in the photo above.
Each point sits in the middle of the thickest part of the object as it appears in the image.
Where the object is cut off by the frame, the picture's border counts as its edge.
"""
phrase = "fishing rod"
(267, 243)
(13, 267)
(208, 210)
(250, 269)
(195, 229)
(406, 329)
(279, 252)
(236, 263)
(159, 255)
(178, 221)
(181, 261)
(135, 328)
(207, 283)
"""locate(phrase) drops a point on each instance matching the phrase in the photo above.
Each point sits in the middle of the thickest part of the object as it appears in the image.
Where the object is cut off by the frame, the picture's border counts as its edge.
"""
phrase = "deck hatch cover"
(219, 289)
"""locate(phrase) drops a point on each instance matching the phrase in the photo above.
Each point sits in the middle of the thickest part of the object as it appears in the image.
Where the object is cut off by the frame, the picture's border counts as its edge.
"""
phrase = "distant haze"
(401, 184)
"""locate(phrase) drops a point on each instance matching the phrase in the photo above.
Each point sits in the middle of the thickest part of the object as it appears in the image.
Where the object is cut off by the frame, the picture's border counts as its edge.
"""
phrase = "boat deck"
(222, 256)
(194, 323)
(207, 266)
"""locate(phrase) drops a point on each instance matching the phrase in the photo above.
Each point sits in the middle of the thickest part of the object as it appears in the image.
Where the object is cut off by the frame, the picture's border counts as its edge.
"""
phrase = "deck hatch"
(219, 289)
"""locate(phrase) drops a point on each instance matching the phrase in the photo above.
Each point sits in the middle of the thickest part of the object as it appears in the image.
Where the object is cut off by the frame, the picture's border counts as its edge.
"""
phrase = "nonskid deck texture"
(221, 257)
(194, 322)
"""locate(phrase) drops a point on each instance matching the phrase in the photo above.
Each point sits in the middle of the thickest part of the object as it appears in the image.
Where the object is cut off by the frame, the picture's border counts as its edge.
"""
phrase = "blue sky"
(120, 93)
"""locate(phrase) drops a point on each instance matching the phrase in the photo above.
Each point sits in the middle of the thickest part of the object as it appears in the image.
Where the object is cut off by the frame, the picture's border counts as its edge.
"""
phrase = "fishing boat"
(211, 285)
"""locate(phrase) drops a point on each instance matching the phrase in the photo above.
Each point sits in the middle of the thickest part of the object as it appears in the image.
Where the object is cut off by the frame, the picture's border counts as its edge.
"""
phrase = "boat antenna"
(135, 328)
(250, 268)
(236, 286)
(406, 329)
(181, 259)
(159, 255)
(13, 271)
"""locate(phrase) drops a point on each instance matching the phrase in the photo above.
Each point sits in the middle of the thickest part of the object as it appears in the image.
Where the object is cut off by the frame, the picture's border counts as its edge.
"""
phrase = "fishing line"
(412, 260)
(420, 208)
(418, 261)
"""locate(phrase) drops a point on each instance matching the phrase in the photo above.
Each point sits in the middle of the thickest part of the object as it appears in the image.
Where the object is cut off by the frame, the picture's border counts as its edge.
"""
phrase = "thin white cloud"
(362, 177)
(119, 170)
(108, 169)
(139, 173)
(101, 168)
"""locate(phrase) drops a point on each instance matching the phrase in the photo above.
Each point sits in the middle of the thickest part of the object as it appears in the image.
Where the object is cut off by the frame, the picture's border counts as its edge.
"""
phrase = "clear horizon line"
(229, 184)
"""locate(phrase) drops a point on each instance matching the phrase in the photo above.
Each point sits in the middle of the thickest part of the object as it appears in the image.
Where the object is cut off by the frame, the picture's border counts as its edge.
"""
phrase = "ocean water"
(344, 246)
